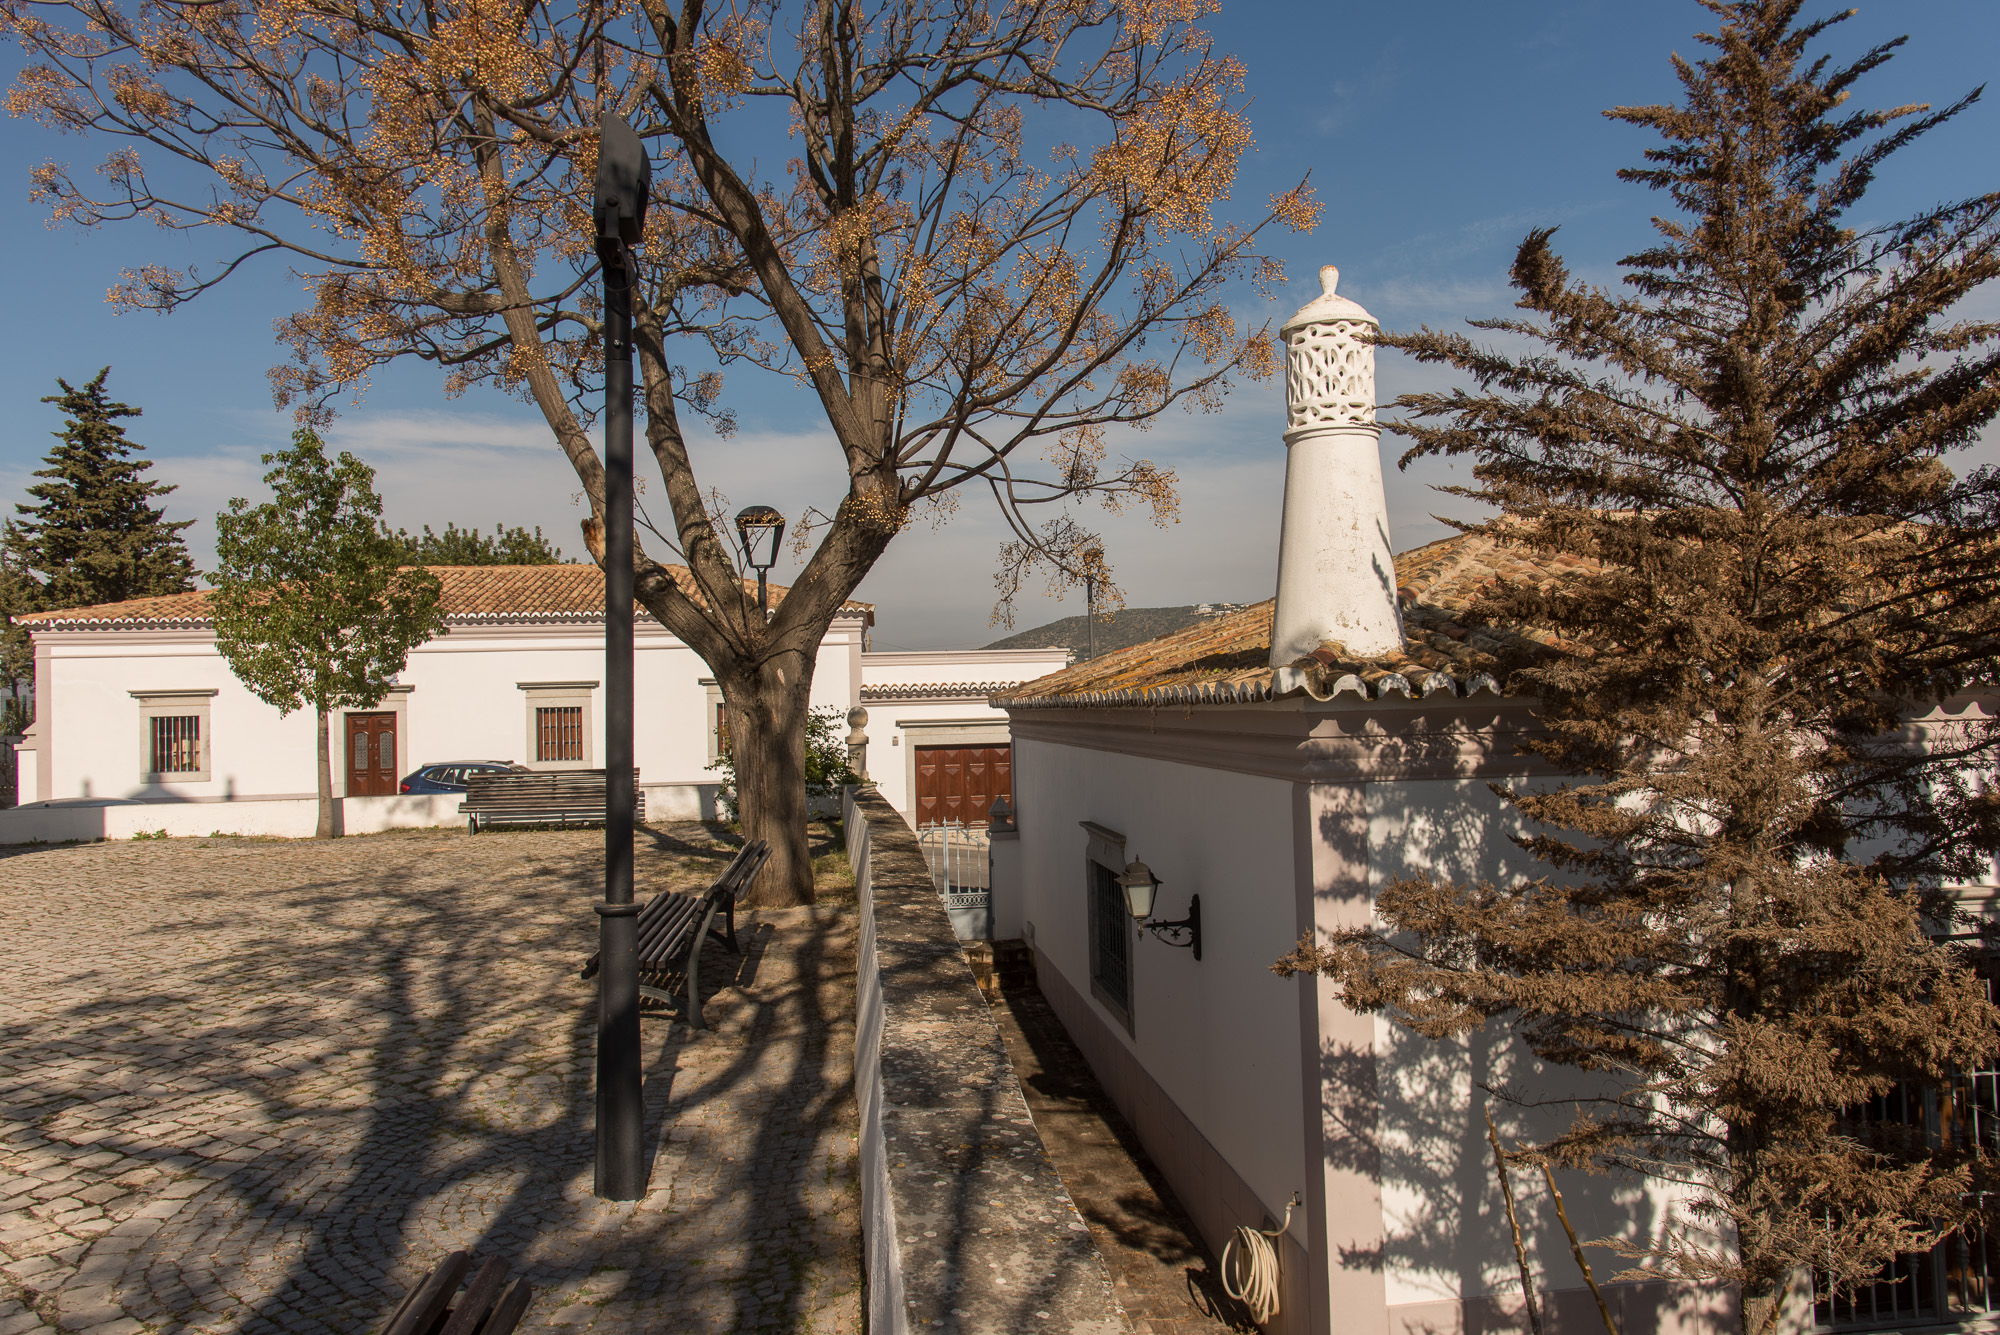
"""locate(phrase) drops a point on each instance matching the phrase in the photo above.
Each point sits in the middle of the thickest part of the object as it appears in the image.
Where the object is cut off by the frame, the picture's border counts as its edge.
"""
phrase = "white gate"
(960, 860)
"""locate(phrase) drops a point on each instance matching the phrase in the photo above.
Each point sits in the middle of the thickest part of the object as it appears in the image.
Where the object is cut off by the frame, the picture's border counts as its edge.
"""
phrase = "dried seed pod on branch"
(953, 292)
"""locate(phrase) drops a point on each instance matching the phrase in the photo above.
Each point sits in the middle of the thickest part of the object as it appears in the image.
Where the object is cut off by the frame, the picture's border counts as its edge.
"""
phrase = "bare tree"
(972, 302)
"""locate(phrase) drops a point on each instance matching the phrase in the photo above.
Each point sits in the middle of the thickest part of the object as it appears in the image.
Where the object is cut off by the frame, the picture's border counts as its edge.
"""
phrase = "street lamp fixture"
(1141, 887)
(618, 206)
(760, 529)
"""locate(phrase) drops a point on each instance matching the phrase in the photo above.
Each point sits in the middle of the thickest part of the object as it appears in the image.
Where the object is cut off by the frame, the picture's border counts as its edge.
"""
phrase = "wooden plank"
(507, 1311)
(479, 1296)
(420, 1312)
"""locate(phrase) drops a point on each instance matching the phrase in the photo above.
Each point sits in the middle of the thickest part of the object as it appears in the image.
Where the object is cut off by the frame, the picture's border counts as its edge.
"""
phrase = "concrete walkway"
(262, 1086)
(1165, 1280)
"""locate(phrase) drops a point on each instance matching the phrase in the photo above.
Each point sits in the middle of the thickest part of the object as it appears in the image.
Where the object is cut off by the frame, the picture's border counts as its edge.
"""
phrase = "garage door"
(957, 784)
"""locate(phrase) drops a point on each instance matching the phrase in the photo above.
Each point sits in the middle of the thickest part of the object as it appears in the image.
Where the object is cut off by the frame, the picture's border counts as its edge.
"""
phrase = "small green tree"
(313, 606)
(469, 547)
(95, 534)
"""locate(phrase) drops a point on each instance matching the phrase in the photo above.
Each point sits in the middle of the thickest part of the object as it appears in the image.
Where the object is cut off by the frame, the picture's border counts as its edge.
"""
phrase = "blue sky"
(1436, 134)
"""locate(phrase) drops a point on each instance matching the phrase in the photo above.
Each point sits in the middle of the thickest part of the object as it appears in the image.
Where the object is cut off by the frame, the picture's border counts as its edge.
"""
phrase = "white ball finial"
(1329, 279)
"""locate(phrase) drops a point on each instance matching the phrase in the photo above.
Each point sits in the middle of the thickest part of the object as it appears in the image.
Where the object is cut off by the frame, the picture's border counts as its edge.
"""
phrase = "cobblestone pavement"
(1165, 1279)
(262, 1085)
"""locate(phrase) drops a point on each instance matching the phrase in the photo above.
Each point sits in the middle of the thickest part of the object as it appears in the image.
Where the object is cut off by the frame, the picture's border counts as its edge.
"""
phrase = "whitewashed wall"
(1219, 1035)
(926, 710)
(1446, 1238)
(927, 666)
(464, 701)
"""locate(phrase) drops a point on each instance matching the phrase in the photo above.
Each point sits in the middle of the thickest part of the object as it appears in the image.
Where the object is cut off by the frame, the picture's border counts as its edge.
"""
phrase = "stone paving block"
(280, 1080)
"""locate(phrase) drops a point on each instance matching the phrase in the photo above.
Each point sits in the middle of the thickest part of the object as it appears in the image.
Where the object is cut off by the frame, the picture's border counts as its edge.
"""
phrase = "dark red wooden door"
(957, 784)
(371, 755)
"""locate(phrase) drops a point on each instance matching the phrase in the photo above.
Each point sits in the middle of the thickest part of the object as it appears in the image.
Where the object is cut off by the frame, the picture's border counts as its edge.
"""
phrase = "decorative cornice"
(938, 690)
(1444, 739)
(1373, 685)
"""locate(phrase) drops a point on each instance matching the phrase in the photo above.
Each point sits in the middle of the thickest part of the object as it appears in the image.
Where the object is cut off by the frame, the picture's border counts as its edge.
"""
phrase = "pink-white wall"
(459, 697)
(1219, 1035)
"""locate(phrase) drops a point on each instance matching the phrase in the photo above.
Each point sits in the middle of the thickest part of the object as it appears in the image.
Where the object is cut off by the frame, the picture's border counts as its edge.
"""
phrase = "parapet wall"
(966, 1225)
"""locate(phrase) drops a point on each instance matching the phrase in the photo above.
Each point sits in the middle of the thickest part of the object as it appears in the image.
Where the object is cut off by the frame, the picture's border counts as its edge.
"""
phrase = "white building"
(1283, 763)
(141, 726)
(944, 754)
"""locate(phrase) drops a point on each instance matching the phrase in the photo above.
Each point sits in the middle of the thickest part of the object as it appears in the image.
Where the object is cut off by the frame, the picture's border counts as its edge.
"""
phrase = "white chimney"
(1336, 575)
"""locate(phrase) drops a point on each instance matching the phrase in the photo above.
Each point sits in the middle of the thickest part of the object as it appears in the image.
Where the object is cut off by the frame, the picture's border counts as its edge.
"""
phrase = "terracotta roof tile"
(471, 593)
(1227, 660)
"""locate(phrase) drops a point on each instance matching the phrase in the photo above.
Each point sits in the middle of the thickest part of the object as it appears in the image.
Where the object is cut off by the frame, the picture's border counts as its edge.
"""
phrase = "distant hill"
(1133, 625)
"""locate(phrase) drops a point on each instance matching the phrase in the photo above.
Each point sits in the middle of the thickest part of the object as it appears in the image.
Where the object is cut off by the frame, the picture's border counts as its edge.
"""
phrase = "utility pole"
(1090, 611)
(624, 180)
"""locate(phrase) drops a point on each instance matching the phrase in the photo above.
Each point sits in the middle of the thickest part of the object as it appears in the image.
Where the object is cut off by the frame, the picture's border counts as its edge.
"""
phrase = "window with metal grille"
(177, 744)
(1960, 1277)
(559, 732)
(1110, 938)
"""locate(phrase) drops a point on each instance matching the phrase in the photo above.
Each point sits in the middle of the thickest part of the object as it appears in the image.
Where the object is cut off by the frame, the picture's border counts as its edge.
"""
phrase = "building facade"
(1283, 764)
(141, 725)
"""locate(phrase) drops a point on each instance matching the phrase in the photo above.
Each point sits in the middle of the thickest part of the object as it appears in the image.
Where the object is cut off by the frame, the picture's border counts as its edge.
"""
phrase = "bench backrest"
(735, 878)
(578, 785)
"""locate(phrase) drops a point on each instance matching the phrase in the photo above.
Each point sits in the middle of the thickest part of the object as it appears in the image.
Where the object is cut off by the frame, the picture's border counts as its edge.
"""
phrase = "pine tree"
(18, 594)
(1779, 586)
(95, 534)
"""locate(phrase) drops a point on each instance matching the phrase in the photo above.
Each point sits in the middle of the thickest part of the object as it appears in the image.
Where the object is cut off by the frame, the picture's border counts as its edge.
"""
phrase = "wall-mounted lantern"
(1141, 887)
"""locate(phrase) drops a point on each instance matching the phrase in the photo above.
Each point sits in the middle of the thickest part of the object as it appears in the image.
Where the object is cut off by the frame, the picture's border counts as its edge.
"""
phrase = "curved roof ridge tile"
(1226, 659)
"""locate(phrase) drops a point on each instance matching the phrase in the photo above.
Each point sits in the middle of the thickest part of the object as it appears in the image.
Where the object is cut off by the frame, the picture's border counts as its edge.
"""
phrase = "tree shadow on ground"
(368, 1068)
(1060, 1084)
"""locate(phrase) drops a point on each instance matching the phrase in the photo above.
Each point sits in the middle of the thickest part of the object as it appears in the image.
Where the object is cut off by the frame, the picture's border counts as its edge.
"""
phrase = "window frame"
(186, 703)
(1104, 861)
(714, 721)
(1939, 1278)
(540, 695)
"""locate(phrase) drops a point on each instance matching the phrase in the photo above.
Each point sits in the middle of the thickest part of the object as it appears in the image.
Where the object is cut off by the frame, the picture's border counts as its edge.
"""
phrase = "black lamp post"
(760, 529)
(624, 180)
(1140, 886)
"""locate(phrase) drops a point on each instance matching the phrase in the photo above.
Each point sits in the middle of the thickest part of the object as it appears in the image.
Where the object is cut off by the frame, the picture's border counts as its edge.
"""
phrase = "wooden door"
(371, 755)
(957, 784)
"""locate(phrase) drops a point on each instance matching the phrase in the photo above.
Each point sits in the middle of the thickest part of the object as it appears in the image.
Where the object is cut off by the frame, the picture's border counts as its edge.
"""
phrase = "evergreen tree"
(469, 547)
(312, 606)
(18, 594)
(96, 534)
(1778, 585)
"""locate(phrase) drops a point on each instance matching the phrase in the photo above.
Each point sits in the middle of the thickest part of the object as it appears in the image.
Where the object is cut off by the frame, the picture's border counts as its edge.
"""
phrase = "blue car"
(450, 776)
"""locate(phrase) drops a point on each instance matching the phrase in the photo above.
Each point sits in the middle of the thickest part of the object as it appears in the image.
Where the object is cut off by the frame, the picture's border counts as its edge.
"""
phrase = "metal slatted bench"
(489, 1306)
(553, 797)
(673, 926)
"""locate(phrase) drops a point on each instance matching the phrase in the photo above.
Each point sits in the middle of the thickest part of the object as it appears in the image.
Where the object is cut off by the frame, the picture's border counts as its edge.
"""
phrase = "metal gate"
(960, 860)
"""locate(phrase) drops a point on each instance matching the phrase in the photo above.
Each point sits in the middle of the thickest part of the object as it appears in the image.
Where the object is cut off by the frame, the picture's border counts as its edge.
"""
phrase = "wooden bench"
(489, 1306)
(553, 797)
(674, 926)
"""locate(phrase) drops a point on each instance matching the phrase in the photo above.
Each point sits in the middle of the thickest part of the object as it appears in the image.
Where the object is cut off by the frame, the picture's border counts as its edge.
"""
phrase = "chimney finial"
(1336, 575)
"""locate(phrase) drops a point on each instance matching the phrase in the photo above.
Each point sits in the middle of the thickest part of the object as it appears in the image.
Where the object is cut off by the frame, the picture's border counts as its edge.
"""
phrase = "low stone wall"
(967, 1226)
(290, 817)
